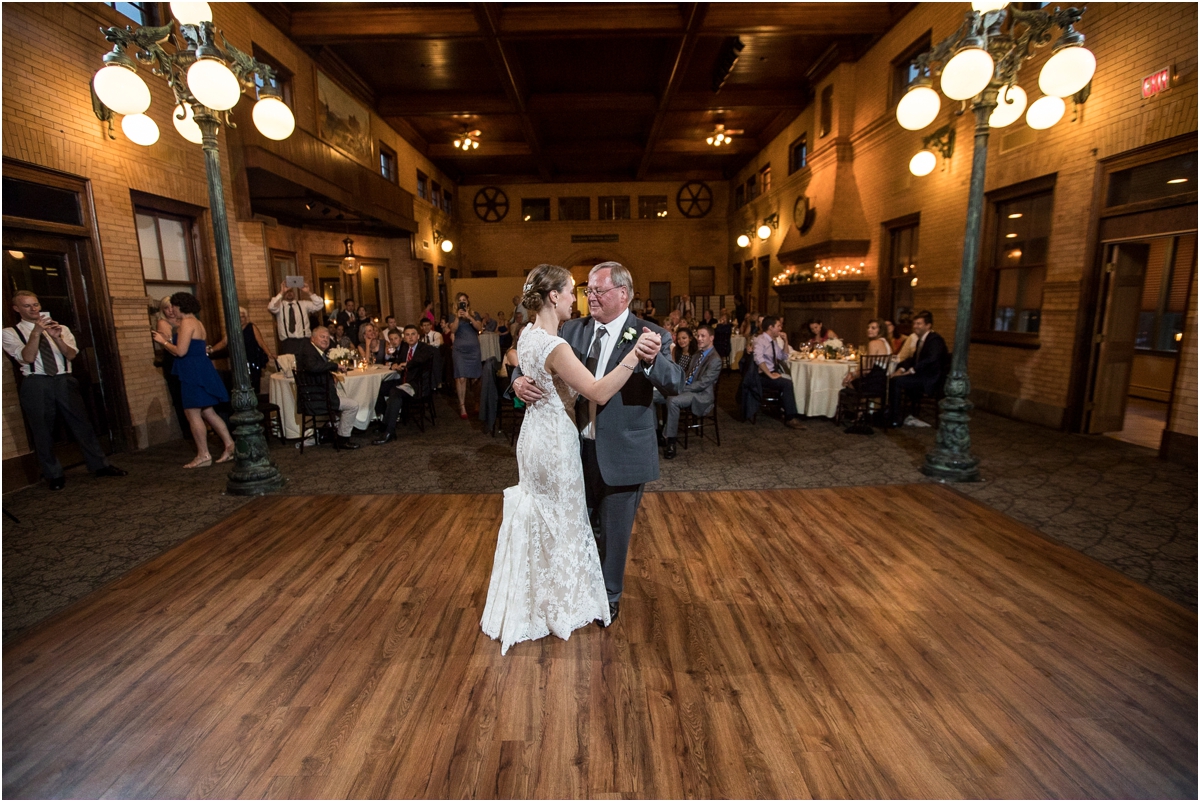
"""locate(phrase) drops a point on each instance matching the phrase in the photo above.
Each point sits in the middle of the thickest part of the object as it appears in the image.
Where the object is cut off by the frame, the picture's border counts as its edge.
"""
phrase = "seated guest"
(772, 367)
(923, 372)
(339, 338)
(488, 323)
(877, 345)
(291, 308)
(751, 327)
(389, 325)
(370, 349)
(648, 312)
(818, 333)
(416, 380)
(429, 334)
(674, 321)
(698, 386)
(43, 350)
(684, 348)
(312, 359)
(394, 350)
(723, 336)
(894, 339)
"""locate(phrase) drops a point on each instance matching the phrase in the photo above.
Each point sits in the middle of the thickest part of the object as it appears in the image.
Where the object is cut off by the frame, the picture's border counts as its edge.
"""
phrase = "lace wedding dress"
(546, 576)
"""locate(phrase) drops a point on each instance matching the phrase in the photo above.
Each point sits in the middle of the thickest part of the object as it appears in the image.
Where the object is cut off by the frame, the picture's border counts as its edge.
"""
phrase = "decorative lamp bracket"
(941, 141)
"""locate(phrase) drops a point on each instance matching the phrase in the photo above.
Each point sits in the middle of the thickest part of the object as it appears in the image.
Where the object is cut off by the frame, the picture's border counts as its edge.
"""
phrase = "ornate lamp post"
(978, 64)
(207, 81)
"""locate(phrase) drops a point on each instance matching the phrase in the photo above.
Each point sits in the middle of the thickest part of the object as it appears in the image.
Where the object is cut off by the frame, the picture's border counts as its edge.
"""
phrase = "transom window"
(535, 210)
(165, 243)
(614, 207)
(575, 208)
(652, 207)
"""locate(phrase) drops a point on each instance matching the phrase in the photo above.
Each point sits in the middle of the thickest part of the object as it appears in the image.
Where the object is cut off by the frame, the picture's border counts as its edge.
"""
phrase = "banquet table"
(489, 346)
(361, 385)
(817, 383)
(737, 349)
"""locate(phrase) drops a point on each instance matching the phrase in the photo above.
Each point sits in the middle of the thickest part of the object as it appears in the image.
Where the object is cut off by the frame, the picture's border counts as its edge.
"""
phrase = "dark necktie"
(49, 363)
(593, 357)
(696, 366)
(291, 319)
(408, 361)
(917, 355)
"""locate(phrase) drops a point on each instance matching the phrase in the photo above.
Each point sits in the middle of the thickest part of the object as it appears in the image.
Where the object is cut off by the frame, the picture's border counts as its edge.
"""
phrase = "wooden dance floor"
(886, 642)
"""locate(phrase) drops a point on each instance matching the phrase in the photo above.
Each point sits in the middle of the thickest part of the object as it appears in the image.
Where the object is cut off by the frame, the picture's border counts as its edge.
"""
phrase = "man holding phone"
(291, 308)
(44, 349)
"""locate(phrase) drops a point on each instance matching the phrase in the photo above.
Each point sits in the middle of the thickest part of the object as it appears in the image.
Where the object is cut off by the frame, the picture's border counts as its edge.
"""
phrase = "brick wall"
(48, 121)
(1130, 41)
(1183, 410)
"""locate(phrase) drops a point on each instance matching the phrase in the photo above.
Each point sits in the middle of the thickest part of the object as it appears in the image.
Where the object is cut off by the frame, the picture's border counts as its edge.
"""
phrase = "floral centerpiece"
(343, 356)
(833, 347)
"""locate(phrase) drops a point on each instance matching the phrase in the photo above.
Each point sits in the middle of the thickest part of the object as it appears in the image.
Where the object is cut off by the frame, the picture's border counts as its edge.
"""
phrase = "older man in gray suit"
(698, 392)
(617, 440)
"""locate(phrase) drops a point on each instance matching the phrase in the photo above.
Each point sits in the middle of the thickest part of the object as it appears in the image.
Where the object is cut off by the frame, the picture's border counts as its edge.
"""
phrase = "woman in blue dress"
(465, 327)
(199, 383)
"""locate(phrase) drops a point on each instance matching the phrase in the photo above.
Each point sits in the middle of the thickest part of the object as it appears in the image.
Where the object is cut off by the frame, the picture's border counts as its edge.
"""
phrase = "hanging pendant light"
(350, 263)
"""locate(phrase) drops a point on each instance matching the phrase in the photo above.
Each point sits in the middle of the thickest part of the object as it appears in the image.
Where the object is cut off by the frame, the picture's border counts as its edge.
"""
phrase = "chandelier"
(350, 263)
(722, 135)
(468, 140)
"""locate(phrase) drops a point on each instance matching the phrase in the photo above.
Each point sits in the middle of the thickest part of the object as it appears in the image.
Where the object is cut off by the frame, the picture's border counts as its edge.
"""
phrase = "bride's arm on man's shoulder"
(563, 363)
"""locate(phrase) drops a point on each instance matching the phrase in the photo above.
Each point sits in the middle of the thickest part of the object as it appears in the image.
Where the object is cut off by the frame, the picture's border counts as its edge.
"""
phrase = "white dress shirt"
(13, 347)
(614, 329)
(299, 314)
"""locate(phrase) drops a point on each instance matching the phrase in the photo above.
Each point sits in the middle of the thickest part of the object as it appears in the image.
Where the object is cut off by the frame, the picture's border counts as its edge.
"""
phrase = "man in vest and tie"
(44, 349)
(699, 387)
(291, 310)
(414, 366)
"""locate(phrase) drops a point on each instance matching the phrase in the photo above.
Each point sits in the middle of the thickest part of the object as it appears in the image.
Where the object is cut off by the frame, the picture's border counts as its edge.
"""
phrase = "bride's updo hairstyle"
(543, 280)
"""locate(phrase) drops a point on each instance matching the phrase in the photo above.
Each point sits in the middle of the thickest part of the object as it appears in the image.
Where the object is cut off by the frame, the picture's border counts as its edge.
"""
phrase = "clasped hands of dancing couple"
(587, 447)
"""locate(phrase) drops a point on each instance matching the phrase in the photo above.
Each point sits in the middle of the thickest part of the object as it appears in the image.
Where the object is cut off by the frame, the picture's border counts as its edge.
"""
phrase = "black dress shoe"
(614, 609)
(57, 484)
(662, 441)
(669, 453)
(387, 438)
(344, 444)
(111, 470)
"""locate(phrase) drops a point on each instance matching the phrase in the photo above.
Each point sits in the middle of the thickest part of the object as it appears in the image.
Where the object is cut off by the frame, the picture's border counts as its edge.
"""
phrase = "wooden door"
(1124, 273)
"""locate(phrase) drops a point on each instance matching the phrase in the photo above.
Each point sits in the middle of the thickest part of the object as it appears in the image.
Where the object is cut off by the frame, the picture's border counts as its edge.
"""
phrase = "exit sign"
(1158, 82)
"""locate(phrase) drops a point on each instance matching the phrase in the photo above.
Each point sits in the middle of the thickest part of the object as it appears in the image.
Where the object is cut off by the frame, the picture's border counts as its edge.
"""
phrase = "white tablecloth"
(817, 383)
(489, 346)
(361, 385)
(737, 349)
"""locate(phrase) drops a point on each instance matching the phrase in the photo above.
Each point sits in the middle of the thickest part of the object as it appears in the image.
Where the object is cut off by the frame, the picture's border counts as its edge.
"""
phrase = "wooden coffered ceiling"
(584, 91)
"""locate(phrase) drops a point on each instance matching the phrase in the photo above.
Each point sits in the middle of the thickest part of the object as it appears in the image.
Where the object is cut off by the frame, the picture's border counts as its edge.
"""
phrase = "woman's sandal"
(227, 455)
(200, 463)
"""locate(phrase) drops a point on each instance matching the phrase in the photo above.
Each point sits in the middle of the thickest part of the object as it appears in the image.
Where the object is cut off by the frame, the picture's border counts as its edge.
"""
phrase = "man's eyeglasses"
(592, 294)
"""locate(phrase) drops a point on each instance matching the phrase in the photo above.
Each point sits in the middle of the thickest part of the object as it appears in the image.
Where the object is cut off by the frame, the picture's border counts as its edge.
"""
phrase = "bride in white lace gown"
(546, 575)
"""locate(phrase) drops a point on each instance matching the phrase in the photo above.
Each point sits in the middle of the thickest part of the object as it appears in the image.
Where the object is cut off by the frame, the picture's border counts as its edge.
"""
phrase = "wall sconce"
(770, 223)
(443, 242)
(744, 239)
(941, 141)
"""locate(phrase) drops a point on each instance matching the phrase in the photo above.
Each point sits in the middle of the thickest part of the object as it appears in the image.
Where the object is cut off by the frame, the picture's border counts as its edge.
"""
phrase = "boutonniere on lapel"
(629, 335)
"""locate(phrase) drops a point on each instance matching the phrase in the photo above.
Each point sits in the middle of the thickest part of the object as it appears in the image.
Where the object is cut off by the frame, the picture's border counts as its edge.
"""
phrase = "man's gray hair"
(619, 274)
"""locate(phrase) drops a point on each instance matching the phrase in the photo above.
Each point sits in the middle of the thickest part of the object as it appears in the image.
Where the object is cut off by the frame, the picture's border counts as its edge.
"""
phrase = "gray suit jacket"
(626, 445)
(703, 387)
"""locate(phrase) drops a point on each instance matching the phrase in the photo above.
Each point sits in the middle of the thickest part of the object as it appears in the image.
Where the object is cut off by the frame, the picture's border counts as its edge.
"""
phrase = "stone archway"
(584, 259)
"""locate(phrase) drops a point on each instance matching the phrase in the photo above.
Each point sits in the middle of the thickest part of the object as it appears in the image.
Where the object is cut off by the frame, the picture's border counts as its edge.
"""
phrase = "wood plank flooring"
(885, 642)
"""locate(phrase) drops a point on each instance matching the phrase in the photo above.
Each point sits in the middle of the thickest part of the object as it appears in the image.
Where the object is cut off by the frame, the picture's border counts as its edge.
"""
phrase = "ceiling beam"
(590, 18)
(693, 15)
(740, 98)
(442, 103)
(334, 23)
(486, 16)
(818, 19)
(559, 102)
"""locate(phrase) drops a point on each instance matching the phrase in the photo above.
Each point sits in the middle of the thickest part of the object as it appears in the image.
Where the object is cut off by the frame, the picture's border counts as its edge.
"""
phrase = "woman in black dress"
(257, 353)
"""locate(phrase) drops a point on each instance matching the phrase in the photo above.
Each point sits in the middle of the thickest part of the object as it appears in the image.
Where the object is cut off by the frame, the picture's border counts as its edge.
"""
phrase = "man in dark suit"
(415, 373)
(923, 372)
(698, 389)
(617, 441)
(312, 360)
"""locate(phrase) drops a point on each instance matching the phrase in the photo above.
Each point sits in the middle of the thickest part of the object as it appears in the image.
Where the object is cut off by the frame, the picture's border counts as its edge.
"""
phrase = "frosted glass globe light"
(1067, 71)
(121, 89)
(273, 118)
(967, 74)
(923, 163)
(764, 231)
(1007, 113)
(918, 108)
(187, 127)
(447, 246)
(1045, 112)
(191, 13)
(981, 6)
(213, 84)
(140, 129)
(743, 241)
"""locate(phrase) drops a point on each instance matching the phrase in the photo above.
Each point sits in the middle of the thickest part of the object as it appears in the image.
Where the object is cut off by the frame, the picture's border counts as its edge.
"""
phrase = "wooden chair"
(272, 417)
(867, 395)
(312, 401)
(423, 405)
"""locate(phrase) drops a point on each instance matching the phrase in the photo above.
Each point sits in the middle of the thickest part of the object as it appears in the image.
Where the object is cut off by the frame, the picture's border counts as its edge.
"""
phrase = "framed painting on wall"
(343, 121)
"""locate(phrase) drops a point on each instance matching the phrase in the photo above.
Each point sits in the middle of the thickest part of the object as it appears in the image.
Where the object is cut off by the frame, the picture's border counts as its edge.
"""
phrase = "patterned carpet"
(1113, 501)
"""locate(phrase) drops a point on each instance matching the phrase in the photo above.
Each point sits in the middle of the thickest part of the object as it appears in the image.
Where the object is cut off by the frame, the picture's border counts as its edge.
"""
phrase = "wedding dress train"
(546, 577)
